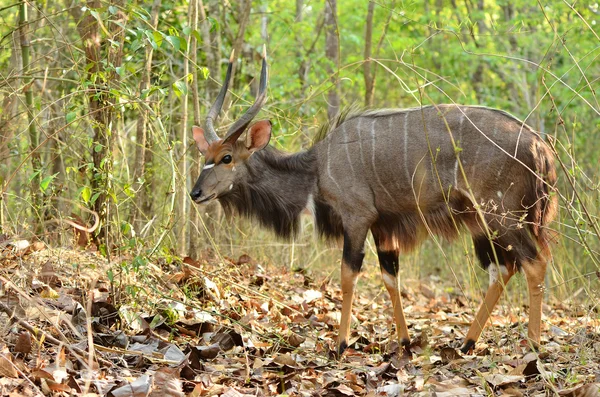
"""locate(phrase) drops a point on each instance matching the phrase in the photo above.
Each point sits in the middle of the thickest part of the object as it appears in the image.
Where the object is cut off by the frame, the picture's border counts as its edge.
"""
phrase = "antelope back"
(408, 172)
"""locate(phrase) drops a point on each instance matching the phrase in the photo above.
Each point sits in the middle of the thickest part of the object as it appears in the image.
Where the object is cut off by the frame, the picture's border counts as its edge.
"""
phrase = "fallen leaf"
(208, 352)
(589, 390)
(166, 382)
(7, 367)
(138, 388)
(497, 380)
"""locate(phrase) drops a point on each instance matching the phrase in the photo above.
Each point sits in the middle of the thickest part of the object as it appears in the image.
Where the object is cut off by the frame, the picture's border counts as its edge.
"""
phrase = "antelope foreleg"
(349, 278)
(351, 264)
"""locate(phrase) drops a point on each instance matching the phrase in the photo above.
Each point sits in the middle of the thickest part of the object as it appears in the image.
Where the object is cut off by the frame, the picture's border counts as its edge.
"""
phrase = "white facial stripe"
(208, 166)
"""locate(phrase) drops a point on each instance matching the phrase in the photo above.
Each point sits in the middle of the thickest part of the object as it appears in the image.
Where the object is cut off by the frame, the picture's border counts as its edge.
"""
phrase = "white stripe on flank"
(408, 177)
(499, 173)
(390, 128)
(362, 159)
(456, 174)
(208, 166)
(373, 159)
(329, 165)
(344, 133)
(459, 144)
(475, 160)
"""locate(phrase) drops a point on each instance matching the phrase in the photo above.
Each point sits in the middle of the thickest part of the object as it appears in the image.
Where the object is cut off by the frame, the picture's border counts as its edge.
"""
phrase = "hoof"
(341, 348)
(405, 343)
(468, 346)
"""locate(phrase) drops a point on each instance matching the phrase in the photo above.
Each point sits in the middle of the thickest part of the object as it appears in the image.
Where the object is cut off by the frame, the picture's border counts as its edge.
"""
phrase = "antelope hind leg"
(535, 271)
(499, 277)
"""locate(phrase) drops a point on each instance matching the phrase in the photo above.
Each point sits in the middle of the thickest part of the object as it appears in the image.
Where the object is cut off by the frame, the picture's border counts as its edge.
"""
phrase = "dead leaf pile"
(73, 324)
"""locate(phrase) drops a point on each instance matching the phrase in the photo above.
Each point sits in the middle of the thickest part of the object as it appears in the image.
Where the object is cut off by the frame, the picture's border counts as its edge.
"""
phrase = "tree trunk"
(195, 168)
(478, 75)
(183, 209)
(142, 150)
(368, 65)
(243, 19)
(302, 56)
(34, 139)
(210, 47)
(333, 56)
(101, 107)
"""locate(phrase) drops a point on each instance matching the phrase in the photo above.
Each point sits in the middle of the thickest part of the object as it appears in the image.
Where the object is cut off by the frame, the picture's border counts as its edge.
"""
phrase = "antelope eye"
(226, 159)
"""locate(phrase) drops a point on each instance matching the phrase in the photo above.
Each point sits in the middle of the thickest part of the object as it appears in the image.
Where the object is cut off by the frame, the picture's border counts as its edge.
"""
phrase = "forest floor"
(236, 327)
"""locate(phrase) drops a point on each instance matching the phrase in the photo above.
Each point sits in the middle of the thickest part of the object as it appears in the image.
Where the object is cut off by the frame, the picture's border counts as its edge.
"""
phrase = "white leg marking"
(389, 280)
(373, 159)
(494, 271)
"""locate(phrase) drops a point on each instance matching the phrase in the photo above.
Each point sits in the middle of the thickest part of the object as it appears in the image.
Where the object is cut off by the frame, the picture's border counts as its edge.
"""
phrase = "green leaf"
(196, 34)
(174, 41)
(86, 194)
(128, 190)
(70, 117)
(46, 182)
(94, 198)
(111, 276)
(35, 174)
(125, 228)
(204, 72)
(158, 38)
(180, 88)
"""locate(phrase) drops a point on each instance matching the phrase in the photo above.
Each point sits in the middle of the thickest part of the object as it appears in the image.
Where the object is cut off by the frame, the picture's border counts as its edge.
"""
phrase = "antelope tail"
(546, 205)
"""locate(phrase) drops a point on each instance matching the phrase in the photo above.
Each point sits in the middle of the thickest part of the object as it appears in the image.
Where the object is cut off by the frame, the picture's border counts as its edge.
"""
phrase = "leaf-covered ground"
(235, 327)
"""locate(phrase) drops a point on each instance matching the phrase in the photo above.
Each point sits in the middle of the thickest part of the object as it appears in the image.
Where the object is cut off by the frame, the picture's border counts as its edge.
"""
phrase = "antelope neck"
(277, 189)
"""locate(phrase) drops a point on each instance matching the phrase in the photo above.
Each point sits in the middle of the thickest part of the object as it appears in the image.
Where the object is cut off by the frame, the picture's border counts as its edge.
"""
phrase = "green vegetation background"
(536, 60)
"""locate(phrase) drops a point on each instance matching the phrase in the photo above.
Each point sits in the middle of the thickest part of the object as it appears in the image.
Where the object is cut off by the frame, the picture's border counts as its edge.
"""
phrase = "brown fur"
(403, 175)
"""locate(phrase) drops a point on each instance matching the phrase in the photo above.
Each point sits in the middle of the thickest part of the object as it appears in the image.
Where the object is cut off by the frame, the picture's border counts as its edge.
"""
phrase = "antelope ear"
(258, 136)
(200, 139)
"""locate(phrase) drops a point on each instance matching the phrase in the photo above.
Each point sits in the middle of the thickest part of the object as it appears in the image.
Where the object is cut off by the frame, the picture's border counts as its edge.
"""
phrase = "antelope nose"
(196, 194)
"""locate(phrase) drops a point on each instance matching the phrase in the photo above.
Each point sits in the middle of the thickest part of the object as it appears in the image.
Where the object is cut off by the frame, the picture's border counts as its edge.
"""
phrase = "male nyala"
(403, 174)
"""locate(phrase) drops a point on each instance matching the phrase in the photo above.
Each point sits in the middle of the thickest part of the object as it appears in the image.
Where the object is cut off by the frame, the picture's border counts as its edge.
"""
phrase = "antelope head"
(225, 159)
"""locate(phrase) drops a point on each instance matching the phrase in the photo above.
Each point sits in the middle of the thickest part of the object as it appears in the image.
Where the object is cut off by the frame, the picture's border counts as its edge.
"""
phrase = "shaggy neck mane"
(277, 189)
